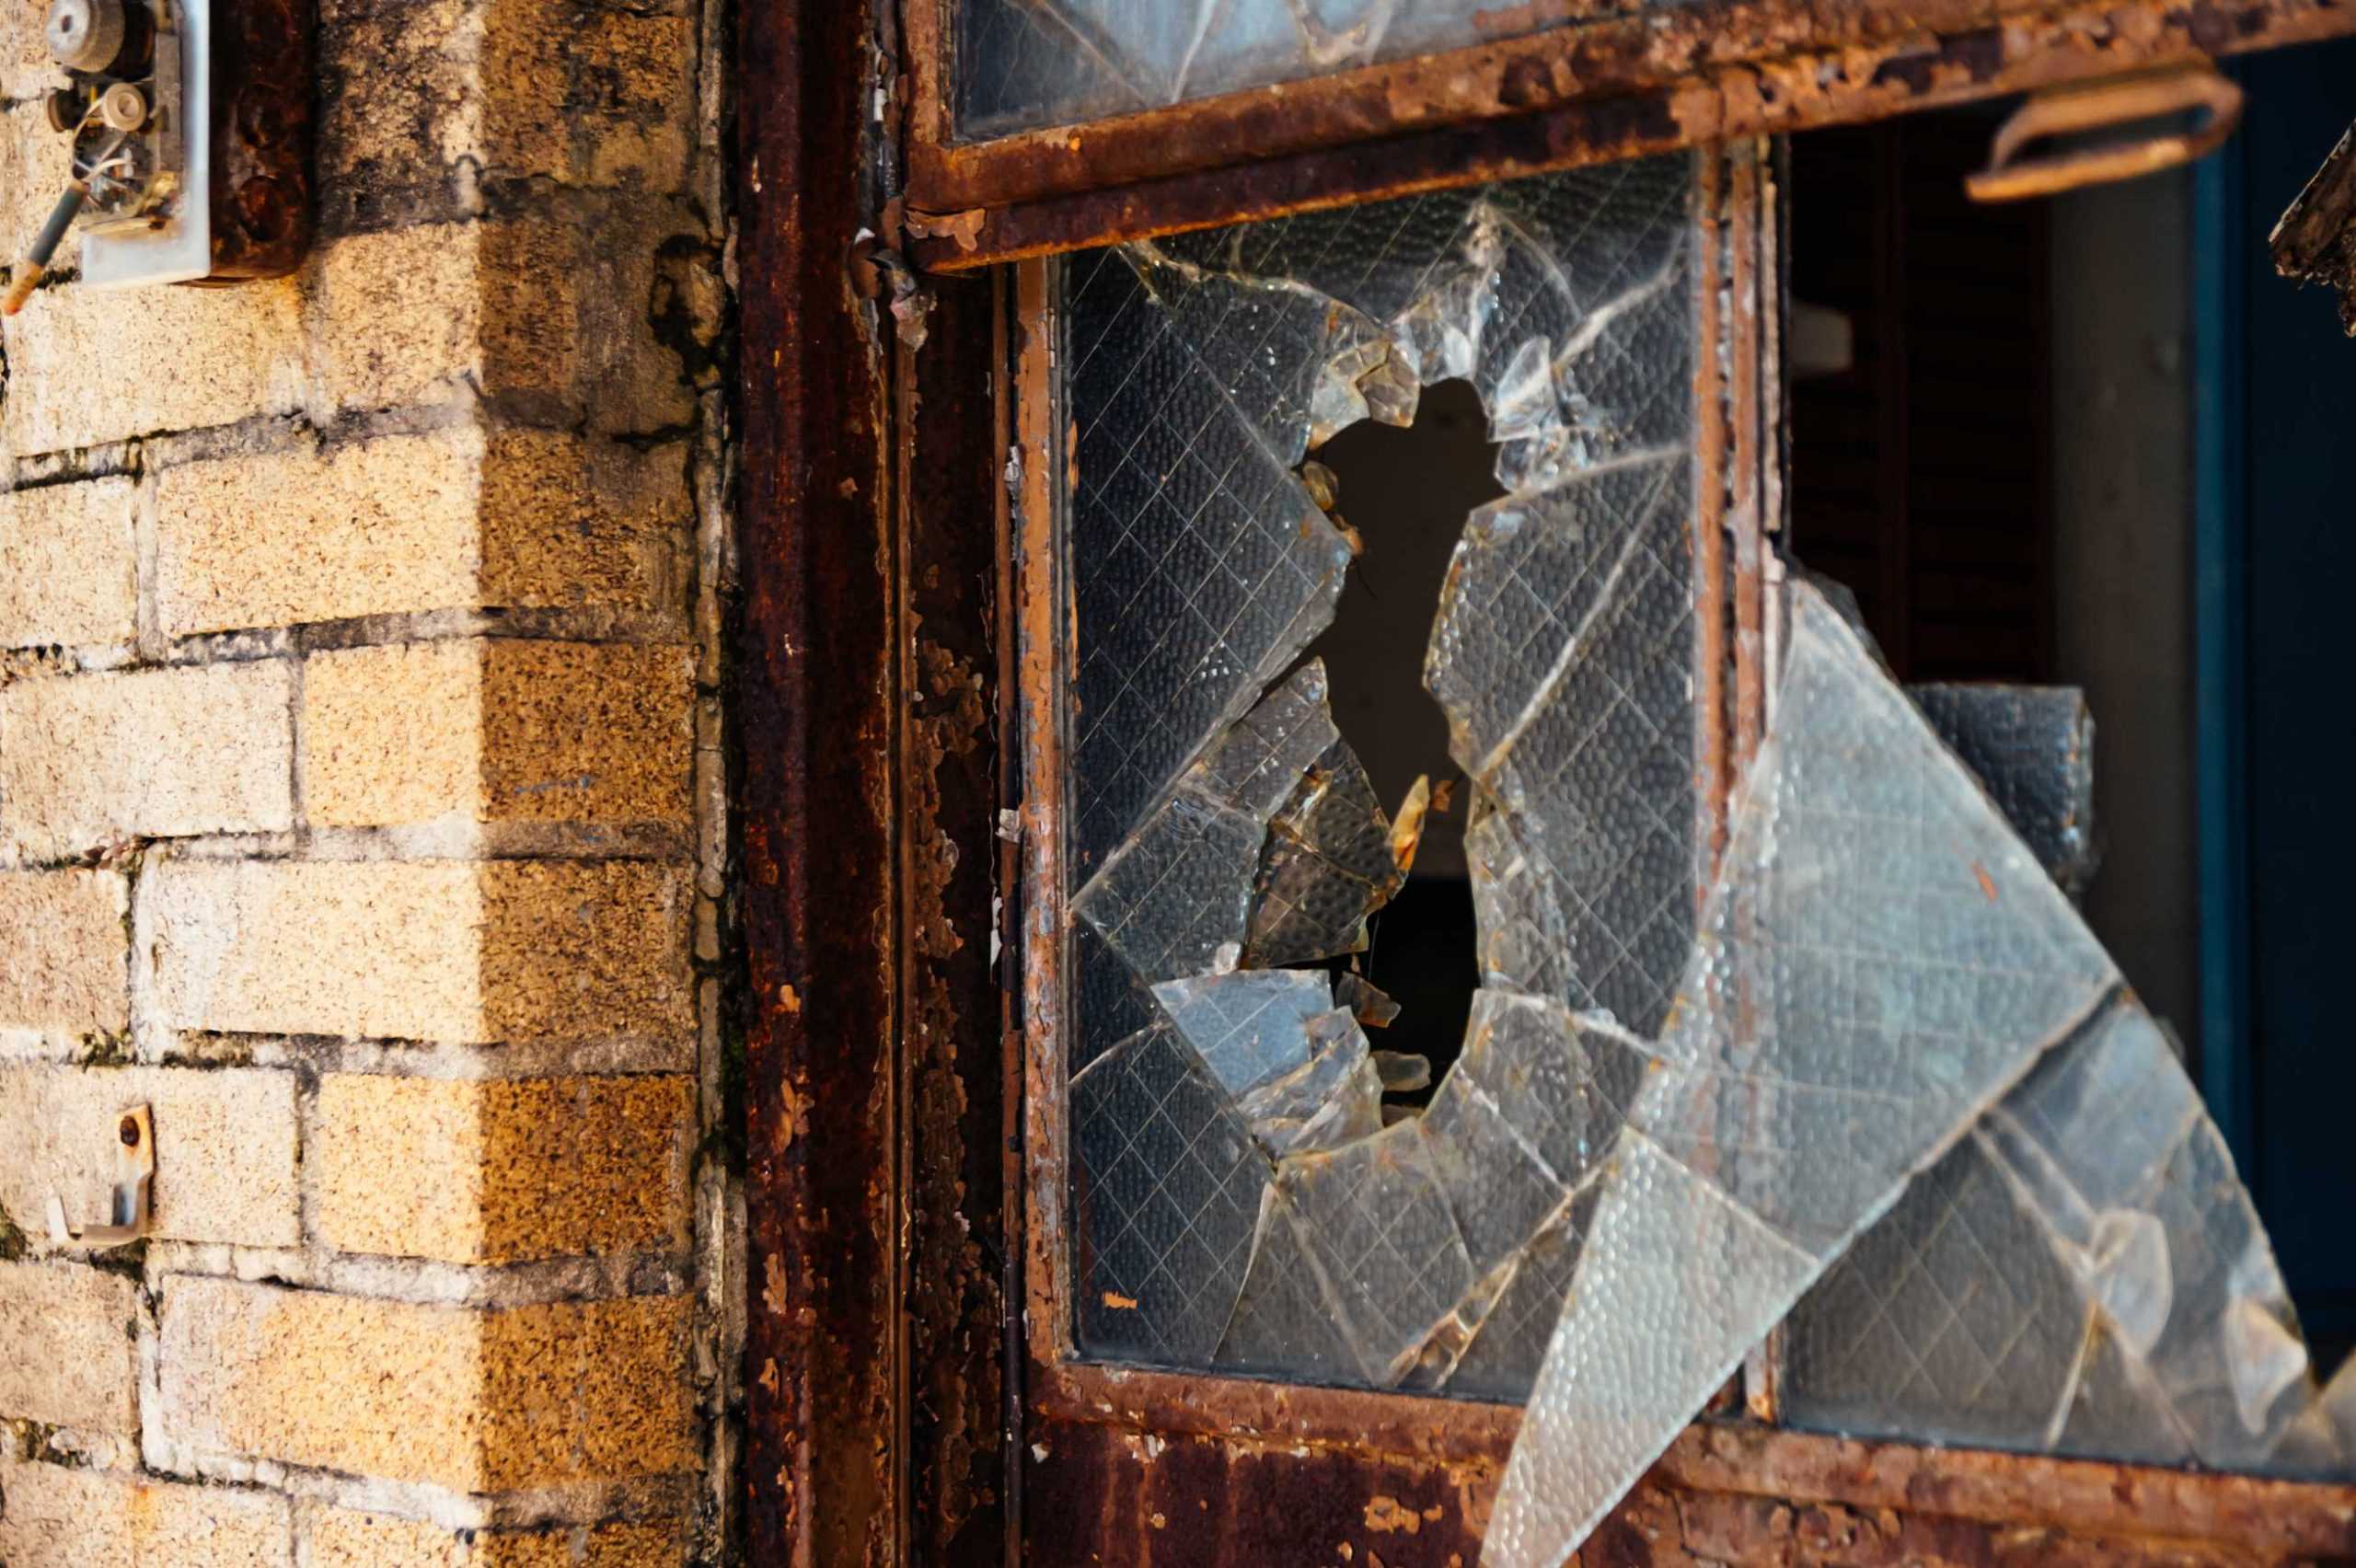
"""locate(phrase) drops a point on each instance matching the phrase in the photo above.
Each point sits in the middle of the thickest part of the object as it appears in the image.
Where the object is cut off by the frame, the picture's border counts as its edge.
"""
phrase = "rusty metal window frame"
(1735, 1467)
(1614, 87)
(1738, 437)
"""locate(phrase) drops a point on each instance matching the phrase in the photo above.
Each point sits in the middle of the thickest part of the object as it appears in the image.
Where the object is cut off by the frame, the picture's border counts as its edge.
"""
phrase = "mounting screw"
(129, 1131)
(86, 35)
(123, 107)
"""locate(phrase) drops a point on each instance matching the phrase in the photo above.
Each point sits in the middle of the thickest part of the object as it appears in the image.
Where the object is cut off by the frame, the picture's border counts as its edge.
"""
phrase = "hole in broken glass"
(1404, 493)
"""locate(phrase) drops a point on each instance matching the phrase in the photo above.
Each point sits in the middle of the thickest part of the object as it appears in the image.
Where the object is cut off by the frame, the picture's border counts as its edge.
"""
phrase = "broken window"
(1851, 1059)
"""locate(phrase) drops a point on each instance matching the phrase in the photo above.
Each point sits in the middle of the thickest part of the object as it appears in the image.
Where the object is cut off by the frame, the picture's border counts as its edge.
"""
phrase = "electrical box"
(190, 125)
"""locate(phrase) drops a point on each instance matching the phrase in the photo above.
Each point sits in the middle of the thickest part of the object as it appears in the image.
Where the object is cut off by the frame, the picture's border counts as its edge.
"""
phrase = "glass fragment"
(1209, 567)
(2032, 749)
(1167, 1193)
(1880, 961)
(1214, 826)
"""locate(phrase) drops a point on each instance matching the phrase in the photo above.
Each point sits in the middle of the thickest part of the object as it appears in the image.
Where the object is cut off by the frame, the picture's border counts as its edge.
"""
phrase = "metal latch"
(134, 1174)
(2124, 101)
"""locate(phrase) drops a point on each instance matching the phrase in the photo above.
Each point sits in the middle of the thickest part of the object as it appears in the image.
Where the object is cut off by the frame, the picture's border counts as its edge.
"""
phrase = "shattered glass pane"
(1223, 829)
(1877, 1078)
(1166, 1193)
(1025, 64)
(1209, 569)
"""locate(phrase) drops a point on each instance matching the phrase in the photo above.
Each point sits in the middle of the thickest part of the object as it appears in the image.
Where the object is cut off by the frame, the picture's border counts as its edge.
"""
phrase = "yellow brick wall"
(359, 794)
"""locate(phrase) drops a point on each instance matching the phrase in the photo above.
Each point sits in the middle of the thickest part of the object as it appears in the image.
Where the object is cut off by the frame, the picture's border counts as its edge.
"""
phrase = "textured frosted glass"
(1022, 63)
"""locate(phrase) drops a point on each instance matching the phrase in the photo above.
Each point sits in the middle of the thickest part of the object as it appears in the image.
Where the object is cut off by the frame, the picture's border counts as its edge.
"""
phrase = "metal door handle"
(2123, 100)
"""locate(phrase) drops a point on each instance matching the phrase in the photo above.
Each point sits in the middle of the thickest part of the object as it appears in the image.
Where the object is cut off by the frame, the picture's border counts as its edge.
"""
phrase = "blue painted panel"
(2299, 527)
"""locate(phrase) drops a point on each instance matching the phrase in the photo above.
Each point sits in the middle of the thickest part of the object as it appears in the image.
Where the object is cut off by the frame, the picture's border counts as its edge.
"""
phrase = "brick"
(88, 760)
(499, 1170)
(393, 735)
(412, 89)
(588, 732)
(452, 520)
(343, 1538)
(480, 1400)
(64, 951)
(58, 1518)
(26, 68)
(556, 318)
(226, 1143)
(402, 317)
(289, 538)
(88, 366)
(72, 1358)
(65, 563)
(503, 730)
(570, 522)
(437, 951)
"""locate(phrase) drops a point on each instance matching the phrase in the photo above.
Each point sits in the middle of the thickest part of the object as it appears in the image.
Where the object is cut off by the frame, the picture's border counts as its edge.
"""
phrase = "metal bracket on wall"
(2155, 97)
(134, 1174)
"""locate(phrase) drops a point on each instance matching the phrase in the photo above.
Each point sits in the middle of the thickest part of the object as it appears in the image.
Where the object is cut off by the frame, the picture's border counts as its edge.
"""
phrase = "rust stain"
(1120, 1303)
(1610, 89)
(773, 1301)
(1385, 1514)
(1987, 882)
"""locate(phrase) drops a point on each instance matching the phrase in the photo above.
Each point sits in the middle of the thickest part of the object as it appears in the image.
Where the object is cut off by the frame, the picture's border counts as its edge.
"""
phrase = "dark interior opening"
(1407, 492)
(2095, 441)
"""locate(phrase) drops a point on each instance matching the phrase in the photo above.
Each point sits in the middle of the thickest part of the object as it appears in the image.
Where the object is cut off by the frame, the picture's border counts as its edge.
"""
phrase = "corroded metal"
(1149, 1468)
(947, 452)
(2098, 105)
(261, 136)
(813, 696)
(2315, 240)
(1615, 89)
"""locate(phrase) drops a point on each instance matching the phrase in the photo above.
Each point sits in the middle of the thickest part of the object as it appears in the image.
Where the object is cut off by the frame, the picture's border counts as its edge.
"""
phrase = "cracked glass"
(1024, 63)
(1866, 1074)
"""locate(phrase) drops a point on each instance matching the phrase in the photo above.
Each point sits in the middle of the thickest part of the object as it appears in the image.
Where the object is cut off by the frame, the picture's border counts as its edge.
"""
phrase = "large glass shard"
(2117, 1156)
(1881, 958)
(1663, 1305)
(1166, 1194)
(1180, 888)
(1382, 1237)
(1283, 1325)
(1563, 655)
(2093, 1228)
(1326, 867)
(2032, 749)
(1209, 567)
(1952, 1320)
(1880, 961)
